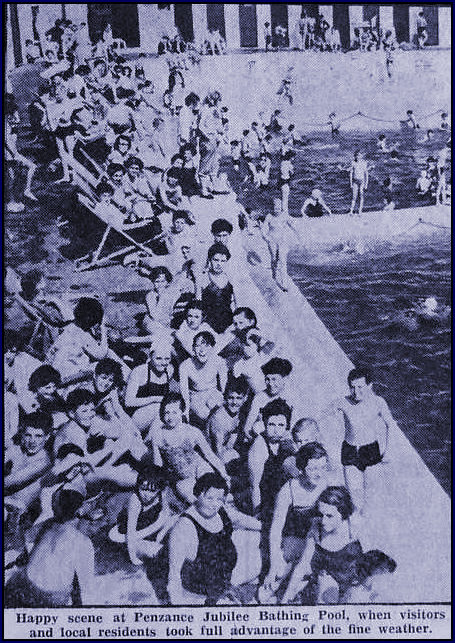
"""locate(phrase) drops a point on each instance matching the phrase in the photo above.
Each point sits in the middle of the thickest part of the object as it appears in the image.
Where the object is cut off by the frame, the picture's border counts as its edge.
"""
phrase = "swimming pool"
(320, 164)
(359, 301)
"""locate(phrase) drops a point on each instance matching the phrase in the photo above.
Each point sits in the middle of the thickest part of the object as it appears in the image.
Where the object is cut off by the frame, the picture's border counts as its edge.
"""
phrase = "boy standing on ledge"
(367, 421)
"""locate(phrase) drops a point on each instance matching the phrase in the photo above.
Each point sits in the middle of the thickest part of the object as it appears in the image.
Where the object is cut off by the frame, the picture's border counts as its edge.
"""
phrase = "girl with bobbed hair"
(295, 509)
(147, 517)
(216, 291)
(329, 564)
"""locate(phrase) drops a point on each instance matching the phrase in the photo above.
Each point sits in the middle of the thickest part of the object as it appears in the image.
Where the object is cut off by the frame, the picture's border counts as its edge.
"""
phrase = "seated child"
(303, 432)
(106, 386)
(179, 233)
(81, 343)
(181, 448)
(147, 518)
(190, 327)
(224, 421)
(92, 444)
(251, 362)
(202, 378)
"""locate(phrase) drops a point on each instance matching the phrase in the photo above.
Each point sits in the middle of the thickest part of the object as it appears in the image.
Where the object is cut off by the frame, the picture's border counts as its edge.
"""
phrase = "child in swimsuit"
(203, 377)
(147, 518)
(182, 448)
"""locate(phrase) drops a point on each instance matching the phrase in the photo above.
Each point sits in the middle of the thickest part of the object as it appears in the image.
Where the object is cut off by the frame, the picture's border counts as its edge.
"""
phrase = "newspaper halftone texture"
(227, 320)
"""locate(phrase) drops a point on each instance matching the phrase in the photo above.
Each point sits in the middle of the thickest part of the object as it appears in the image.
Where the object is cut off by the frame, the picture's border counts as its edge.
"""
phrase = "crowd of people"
(193, 424)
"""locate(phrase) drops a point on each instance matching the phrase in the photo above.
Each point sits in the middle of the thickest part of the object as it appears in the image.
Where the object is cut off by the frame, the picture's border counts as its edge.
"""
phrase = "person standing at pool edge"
(367, 421)
(358, 178)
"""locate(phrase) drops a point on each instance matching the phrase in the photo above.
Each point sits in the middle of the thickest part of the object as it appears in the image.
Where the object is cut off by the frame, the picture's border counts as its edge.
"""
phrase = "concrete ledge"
(372, 226)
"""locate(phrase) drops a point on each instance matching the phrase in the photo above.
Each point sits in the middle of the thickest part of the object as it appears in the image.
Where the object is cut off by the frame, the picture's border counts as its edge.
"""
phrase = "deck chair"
(139, 236)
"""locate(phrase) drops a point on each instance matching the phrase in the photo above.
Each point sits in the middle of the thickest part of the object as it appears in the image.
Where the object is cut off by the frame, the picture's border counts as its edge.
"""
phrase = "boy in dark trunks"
(367, 421)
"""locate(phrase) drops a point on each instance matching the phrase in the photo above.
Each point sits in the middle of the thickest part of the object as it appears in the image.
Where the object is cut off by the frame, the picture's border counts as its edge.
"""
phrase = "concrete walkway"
(408, 513)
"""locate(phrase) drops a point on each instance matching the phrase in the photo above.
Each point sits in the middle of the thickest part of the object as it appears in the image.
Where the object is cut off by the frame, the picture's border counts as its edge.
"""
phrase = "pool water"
(320, 164)
(360, 302)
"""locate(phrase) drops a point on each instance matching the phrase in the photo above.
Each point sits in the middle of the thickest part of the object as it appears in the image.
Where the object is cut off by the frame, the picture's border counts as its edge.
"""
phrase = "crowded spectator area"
(183, 447)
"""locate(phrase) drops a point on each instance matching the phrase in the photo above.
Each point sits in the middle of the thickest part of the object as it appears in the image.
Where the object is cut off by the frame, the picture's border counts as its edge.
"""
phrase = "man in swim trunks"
(367, 421)
(358, 178)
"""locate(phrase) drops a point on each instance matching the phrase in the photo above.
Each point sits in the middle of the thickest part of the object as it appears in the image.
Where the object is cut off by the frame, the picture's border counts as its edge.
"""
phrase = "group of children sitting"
(207, 394)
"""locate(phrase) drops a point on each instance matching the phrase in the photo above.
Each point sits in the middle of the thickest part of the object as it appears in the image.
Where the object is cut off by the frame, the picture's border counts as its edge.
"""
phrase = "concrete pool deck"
(379, 226)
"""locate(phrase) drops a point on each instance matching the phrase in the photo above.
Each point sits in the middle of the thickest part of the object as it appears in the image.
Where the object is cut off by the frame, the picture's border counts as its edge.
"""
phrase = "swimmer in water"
(382, 145)
(428, 138)
(428, 309)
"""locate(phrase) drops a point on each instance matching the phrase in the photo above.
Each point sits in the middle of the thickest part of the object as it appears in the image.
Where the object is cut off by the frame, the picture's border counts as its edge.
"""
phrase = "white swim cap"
(316, 194)
(430, 303)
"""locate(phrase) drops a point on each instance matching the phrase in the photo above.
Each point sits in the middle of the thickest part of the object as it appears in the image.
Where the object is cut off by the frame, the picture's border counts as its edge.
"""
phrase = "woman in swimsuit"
(204, 555)
(203, 378)
(328, 566)
(149, 383)
(295, 508)
(146, 519)
(217, 295)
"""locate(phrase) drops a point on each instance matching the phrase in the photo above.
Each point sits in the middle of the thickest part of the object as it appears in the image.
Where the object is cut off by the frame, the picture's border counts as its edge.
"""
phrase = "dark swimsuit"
(299, 519)
(341, 565)
(216, 303)
(146, 518)
(361, 457)
(273, 478)
(150, 388)
(314, 210)
(210, 572)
